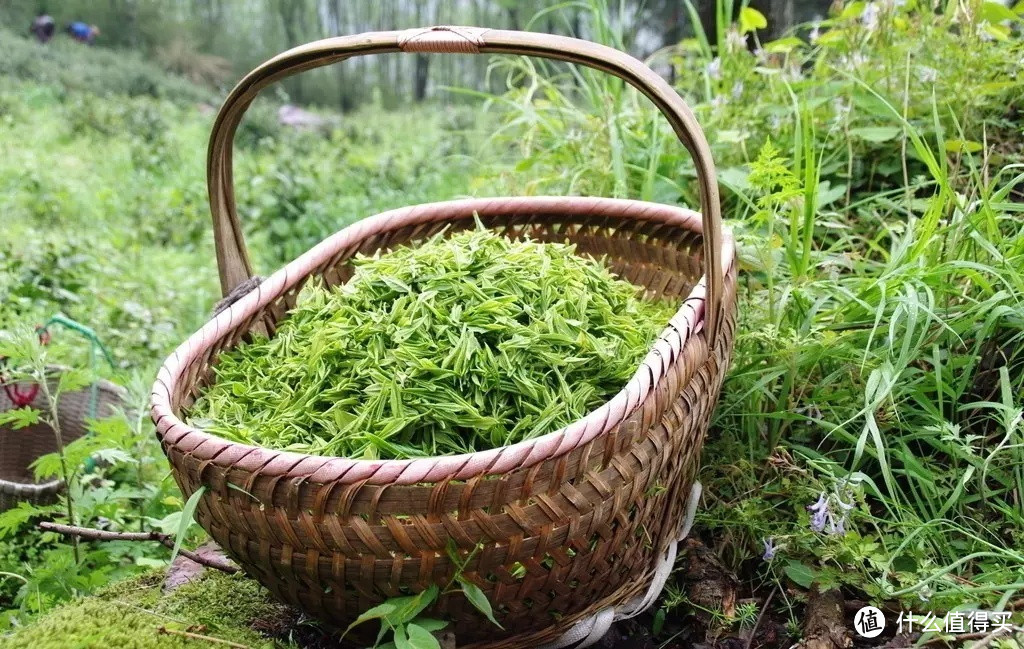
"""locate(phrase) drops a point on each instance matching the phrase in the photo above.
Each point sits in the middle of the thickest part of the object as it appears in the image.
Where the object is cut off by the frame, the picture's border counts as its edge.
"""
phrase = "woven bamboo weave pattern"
(558, 526)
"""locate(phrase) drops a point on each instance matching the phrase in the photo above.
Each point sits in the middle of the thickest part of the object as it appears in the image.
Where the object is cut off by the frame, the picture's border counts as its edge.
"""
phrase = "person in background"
(43, 27)
(83, 32)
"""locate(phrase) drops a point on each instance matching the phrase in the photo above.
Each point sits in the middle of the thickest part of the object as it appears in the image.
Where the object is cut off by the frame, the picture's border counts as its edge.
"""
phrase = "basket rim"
(12, 486)
(210, 449)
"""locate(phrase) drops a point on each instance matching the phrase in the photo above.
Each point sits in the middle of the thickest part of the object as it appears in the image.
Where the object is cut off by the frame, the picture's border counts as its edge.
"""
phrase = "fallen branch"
(91, 534)
(760, 616)
(824, 626)
(200, 636)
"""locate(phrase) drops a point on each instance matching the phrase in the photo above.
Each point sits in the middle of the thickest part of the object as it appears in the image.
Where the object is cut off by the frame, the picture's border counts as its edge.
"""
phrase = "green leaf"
(430, 624)
(963, 146)
(15, 519)
(996, 12)
(405, 609)
(751, 19)
(801, 574)
(735, 178)
(235, 487)
(19, 417)
(852, 10)
(401, 638)
(994, 87)
(378, 612)
(477, 598)
(420, 638)
(833, 37)
(876, 134)
(188, 512)
(659, 622)
(729, 136)
(827, 194)
(783, 45)
(997, 31)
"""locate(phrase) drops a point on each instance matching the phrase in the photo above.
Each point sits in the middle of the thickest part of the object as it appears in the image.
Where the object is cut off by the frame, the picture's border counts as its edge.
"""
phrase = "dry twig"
(199, 636)
(91, 534)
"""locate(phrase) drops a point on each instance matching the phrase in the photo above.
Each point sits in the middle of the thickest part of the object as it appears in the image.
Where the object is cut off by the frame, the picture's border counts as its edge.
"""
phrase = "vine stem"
(199, 636)
(51, 402)
(165, 540)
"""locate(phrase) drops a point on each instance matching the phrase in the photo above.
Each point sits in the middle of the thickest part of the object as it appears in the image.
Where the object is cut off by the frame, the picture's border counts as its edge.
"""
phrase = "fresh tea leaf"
(458, 345)
(478, 599)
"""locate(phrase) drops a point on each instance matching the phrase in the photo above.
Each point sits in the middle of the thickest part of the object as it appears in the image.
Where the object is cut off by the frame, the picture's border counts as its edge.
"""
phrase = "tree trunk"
(421, 78)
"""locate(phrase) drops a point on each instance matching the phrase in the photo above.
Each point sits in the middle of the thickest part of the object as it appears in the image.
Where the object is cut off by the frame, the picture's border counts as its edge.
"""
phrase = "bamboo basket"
(19, 448)
(563, 525)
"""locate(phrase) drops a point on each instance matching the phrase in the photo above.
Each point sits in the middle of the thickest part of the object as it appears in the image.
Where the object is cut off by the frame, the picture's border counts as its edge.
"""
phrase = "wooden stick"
(199, 636)
(987, 640)
(757, 623)
(91, 534)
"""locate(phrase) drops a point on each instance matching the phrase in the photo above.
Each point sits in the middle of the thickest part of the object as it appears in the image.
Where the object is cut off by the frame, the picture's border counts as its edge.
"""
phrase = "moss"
(130, 615)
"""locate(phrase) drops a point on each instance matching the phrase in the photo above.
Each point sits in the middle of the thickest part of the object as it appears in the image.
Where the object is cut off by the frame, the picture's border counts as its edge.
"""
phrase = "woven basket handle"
(232, 256)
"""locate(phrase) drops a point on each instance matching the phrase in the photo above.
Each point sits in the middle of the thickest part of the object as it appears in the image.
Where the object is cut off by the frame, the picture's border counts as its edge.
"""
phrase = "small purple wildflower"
(820, 513)
(769, 549)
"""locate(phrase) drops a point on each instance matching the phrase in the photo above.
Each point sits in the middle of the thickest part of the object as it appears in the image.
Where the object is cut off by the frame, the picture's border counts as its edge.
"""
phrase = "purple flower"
(769, 549)
(820, 513)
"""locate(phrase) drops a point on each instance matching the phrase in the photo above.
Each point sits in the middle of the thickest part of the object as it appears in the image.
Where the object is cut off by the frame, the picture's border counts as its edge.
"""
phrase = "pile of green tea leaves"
(458, 345)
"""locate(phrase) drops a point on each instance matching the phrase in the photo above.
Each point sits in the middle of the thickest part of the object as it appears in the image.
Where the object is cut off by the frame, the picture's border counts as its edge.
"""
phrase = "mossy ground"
(131, 614)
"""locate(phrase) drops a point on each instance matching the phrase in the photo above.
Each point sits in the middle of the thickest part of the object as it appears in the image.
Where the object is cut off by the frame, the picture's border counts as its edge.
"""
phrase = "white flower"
(926, 74)
(853, 62)
(815, 32)
(737, 90)
(869, 18)
(714, 68)
(735, 41)
(840, 109)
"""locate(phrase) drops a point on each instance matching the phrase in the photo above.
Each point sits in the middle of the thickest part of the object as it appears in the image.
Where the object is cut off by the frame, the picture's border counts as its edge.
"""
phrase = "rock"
(183, 570)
